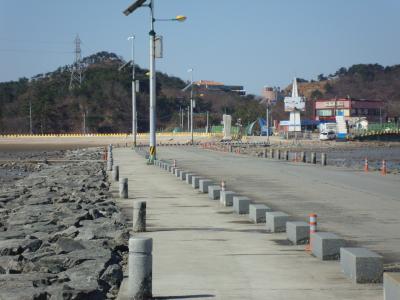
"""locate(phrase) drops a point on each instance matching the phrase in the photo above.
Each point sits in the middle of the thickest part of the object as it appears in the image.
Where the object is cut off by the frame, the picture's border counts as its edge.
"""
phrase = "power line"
(36, 51)
(33, 41)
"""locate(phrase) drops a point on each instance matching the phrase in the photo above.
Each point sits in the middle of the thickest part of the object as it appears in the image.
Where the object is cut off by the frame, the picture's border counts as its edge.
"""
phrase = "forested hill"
(105, 98)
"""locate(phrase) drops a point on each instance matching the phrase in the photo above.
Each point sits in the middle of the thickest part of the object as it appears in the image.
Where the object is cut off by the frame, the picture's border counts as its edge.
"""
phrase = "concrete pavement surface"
(203, 251)
(361, 207)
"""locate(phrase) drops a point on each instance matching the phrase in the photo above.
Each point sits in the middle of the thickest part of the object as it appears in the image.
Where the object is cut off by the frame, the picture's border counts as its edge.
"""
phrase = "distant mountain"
(105, 99)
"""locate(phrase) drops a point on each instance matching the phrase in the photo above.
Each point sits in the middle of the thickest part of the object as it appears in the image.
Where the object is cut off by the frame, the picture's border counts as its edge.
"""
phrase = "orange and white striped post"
(313, 229)
(223, 186)
(105, 153)
(366, 167)
(383, 169)
(174, 163)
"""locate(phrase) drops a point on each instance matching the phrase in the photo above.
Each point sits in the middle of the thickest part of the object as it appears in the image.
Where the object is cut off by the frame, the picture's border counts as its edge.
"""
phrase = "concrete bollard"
(123, 188)
(326, 245)
(140, 268)
(278, 154)
(298, 232)
(313, 158)
(115, 173)
(139, 216)
(303, 157)
(264, 153)
(391, 286)
(286, 155)
(323, 159)
(271, 153)
(276, 221)
(226, 197)
(361, 265)
(110, 164)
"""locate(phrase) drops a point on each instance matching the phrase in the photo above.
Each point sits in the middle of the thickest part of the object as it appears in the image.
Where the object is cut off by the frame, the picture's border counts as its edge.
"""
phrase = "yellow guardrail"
(116, 135)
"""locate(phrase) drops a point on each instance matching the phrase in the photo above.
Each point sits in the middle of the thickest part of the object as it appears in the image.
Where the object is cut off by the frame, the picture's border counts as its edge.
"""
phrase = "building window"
(342, 112)
(324, 112)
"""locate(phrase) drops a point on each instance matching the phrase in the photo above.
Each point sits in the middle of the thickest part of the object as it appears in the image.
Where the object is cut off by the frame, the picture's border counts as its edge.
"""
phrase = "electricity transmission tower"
(77, 68)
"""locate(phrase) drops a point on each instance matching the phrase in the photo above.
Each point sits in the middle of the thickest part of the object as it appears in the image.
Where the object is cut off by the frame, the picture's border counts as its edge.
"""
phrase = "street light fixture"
(152, 68)
(133, 7)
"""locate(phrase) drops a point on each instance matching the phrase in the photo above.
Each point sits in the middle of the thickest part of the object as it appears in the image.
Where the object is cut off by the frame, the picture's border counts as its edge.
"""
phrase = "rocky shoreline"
(61, 234)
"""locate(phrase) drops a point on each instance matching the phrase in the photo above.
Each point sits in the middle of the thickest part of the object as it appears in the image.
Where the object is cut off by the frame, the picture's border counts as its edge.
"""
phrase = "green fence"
(220, 128)
(383, 126)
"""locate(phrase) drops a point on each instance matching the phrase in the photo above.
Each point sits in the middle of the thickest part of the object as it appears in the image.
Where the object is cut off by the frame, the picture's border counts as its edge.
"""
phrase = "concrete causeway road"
(203, 251)
(363, 208)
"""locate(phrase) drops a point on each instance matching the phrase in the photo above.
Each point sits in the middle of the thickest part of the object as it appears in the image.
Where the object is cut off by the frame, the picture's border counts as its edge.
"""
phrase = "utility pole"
(134, 113)
(84, 123)
(153, 95)
(180, 116)
(191, 103)
(207, 122)
(188, 119)
(30, 117)
(267, 121)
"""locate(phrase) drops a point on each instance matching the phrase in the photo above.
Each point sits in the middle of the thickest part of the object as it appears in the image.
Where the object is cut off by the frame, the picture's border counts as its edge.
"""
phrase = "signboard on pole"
(158, 46)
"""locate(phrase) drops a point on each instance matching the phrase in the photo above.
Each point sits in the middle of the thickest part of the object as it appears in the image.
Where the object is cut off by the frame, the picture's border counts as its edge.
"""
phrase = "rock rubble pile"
(61, 234)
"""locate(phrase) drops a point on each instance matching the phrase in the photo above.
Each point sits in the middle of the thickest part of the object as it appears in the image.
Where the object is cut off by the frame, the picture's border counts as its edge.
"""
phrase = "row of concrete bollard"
(140, 248)
(359, 264)
(297, 156)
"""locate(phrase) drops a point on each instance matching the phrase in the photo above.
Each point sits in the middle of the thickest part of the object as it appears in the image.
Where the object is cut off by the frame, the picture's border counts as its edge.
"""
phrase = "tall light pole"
(188, 118)
(134, 120)
(267, 122)
(153, 99)
(207, 122)
(191, 103)
(30, 117)
(152, 68)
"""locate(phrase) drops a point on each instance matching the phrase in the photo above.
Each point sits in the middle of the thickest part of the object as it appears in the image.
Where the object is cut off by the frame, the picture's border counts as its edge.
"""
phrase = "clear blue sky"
(254, 43)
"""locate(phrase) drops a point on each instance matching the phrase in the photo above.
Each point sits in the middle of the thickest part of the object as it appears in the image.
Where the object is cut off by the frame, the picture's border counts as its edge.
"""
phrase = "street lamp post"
(134, 120)
(30, 117)
(191, 104)
(152, 68)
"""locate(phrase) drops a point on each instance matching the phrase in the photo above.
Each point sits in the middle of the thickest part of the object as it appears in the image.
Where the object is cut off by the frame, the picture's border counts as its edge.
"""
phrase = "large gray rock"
(17, 246)
(25, 286)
